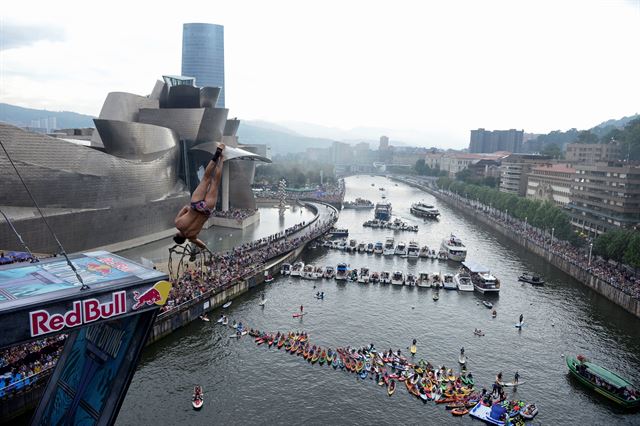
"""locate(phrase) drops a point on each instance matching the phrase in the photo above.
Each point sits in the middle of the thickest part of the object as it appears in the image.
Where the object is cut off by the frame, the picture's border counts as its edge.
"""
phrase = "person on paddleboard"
(462, 351)
(301, 309)
(521, 318)
(516, 377)
(191, 218)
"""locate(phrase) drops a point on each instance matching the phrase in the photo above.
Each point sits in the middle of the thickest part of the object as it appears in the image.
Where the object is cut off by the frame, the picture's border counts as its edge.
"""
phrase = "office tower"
(203, 56)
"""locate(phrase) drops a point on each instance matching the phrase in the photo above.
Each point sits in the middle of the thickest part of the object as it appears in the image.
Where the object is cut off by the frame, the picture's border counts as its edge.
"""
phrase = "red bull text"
(83, 312)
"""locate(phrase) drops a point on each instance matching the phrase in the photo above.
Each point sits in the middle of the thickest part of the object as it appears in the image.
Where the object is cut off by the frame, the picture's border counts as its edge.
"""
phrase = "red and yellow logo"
(157, 295)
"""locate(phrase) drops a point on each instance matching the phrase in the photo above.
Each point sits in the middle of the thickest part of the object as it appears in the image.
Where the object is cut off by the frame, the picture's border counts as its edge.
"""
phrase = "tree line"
(543, 215)
(297, 173)
(620, 245)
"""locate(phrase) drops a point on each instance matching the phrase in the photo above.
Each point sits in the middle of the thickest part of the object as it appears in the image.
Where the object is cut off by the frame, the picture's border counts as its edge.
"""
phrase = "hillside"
(281, 140)
(22, 117)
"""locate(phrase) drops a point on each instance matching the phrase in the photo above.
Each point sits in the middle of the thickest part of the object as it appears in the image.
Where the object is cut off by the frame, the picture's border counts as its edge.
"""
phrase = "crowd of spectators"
(21, 365)
(224, 269)
(237, 214)
(329, 193)
(618, 276)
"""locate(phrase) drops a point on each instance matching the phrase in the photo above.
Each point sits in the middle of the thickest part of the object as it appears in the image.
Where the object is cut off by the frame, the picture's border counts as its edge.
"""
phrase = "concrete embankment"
(592, 281)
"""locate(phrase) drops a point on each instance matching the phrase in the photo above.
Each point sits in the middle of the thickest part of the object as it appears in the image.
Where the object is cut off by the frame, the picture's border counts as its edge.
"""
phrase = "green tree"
(585, 136)
(632, 253)
(553, 150)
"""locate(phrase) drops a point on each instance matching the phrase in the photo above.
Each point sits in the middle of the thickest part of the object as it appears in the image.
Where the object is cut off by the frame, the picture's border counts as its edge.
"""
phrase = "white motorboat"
(385, 277)
(329, 272)
(352, 247)
(436, 280)
(369, 247)
(424, 252)
(285, 269)
(296, 271)
(341, 272)
(378, 248)
(425, 210)
(423, 280)
(411, 280)
(454, 248)
(447, 282)
(342, 245)
(363, 276)
(375, 277)
(362, 247)
(319, 272)
(389, 247)
(397, 278)
(401, 249)
(463, 281)
(413, 251)
(483, 281)
(309, 272)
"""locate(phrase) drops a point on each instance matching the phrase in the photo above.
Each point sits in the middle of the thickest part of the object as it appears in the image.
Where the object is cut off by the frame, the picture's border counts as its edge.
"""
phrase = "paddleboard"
(205, 319)
(511, 384)
(319, 297)
(519, 325)
(413, 349)
(298, 315)
(226, 305)
(462, 359)
(262, 302)
(220, 320)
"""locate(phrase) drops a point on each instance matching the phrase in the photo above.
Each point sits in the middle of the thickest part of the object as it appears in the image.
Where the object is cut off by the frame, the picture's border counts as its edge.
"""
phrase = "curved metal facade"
(135, 140)
(203, 55)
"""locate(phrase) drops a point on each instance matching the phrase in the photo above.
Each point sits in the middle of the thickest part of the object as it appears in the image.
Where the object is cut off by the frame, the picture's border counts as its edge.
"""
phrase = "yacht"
(285, 269)
(425, 210)
(389, 247)
(363, 277)
(383, 211)
(397, 278)
(401, 249)
(375, 277)
(309, 272)
(411, 280)
(297, 269)
(463, 281)
(385, 277)
(358, 204)
(378, 248)
(436, 282)
(341, 272)
(423, 280)
(353, 245)
(413, 251)
(447, 282)
(483, 281)
(329, 272)
(424, 252)
(454, 248)
(319, 272)
(342, 245)
(353, 275)
(338, 233)
(369, 247)
(362, 247)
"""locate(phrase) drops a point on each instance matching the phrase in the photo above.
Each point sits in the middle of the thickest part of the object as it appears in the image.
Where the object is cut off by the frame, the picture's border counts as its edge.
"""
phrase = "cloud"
(13, 35)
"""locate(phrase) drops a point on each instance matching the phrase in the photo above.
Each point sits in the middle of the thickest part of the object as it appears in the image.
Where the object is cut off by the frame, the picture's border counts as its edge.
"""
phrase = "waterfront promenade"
(623, 288)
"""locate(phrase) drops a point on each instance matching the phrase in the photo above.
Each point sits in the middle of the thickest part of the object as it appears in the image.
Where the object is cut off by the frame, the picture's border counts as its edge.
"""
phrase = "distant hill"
(607, 126)
(22, 117)
(280, 139)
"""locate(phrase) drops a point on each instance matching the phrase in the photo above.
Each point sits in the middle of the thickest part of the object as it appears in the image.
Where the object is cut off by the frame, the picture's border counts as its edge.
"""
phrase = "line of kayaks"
(421, 380)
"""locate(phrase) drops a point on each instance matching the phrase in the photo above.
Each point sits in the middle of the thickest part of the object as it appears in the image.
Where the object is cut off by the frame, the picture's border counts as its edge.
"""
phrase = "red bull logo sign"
(90, 310)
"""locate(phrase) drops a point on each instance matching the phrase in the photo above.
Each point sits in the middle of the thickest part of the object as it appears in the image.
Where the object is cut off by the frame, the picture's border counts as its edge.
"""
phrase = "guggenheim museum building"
(129, 182)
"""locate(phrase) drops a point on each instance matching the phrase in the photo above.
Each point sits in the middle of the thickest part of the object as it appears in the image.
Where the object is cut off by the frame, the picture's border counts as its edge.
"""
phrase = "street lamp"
(552, 229)
(590, 247)
(525, 222)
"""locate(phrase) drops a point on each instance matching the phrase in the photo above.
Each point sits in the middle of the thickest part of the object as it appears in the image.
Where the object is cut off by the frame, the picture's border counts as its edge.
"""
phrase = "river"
(249, 384)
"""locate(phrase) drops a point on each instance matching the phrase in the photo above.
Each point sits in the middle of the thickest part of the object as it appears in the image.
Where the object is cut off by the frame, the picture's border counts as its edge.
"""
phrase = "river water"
(249, 384)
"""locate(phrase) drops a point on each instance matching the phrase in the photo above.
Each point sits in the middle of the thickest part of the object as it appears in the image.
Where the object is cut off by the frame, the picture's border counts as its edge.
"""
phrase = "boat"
(604, 382)
(391, 387)
(397, 278)
(411, 280)
(358, 204)
(459, 411)
(375, 277)
(309, 272)
(285, 269)
(529, 411)
(447, 282)
(531, 278)
(489, 305)
(363, 277)
(423, 280)
(401, 249)
(389, 247)
(413, 251)
(268, 279)
(463, 281)
(352, 247)
(329, 272)
(424, 252)
(341, 272)
(436, 282)
(198, 398)
(424, 210)
(369, 248)
(495, 414)
(319, 272)
(226, 305)
(454, 248)
(483, 281)
(385, 277)
(378, 248)
(338, 233)
(296, 271)
(383, 211)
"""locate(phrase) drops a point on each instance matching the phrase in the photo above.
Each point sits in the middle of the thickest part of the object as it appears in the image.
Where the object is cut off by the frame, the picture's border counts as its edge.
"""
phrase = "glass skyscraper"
(203, 55)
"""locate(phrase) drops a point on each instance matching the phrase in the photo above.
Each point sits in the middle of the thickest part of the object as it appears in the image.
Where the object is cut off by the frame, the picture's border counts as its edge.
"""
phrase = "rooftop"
(560, 168)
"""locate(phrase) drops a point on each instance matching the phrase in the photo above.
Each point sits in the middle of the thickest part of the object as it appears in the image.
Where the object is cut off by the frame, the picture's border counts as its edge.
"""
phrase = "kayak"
(280, 343)
(226, 305)
(315, 357)
(335, 362)
(298, 315)
(323, 357)
(489, 305)
(363, 374)
(220, 320)
(413, 349)
(391, 388)
(459, 411)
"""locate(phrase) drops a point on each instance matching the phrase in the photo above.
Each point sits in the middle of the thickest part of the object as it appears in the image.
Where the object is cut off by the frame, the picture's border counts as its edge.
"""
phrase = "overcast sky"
(432, 71)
